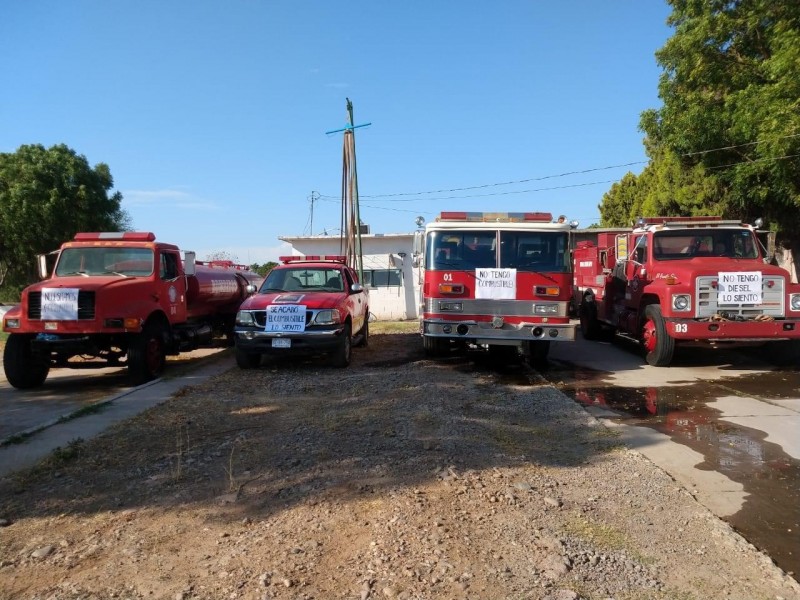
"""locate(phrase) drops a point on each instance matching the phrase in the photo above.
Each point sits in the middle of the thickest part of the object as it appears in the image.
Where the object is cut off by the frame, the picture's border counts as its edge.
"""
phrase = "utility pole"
(312, 210)
(351, 221)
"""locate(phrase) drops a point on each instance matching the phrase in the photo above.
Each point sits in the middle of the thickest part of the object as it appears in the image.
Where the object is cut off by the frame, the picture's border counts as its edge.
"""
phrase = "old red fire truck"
(675, 280)
(500, 282)
(120, 299)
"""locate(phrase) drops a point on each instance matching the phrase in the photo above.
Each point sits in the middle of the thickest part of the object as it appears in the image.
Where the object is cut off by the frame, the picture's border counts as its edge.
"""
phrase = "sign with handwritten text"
(740, 288)
(496, 284)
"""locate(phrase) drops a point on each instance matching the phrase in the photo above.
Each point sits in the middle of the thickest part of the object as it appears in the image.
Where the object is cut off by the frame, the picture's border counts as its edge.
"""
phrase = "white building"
(392, 280)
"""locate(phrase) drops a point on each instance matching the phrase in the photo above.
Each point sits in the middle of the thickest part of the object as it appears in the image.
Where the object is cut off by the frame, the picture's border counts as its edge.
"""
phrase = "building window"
(383, 278)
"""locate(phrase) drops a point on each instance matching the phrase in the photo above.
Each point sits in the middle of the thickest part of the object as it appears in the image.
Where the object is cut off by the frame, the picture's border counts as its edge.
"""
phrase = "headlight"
(794, 302)
(245, 318)
(545, 309)
(327, 317)
(12, 324)
(681, 302)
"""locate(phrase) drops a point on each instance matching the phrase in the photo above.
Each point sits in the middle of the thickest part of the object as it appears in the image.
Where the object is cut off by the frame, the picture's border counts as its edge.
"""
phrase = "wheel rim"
(649, 336)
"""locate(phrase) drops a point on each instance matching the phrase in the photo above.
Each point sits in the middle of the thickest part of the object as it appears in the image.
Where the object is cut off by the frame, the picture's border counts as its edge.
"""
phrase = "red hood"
(89, 284)
(705, 266)
(308, 299)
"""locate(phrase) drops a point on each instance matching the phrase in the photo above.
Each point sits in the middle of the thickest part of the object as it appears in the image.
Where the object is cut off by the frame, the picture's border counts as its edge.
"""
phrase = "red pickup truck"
(307, 305)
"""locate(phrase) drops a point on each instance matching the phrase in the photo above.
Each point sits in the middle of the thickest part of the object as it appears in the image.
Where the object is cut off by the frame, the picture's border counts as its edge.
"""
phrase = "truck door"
(636, 271)
(172, 286)
(355, 302)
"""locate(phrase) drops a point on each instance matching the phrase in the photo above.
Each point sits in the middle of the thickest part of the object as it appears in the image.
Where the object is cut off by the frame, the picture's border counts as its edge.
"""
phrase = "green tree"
(731, 105)
(46, 196)
(264, 269)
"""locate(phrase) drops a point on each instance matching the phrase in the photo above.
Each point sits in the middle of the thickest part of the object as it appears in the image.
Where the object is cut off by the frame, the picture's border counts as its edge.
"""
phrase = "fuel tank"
(218, 287)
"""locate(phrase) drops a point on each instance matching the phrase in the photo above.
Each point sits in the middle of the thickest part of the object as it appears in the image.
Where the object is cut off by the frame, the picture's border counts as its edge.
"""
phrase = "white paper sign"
(497, 284)
(60, 304)
(286, 318)
(740, 288)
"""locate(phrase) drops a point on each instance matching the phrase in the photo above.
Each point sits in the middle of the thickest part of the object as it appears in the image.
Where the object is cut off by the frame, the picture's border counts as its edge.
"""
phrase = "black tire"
(658, 346)
(785, 353)
(247, 360)
(24, 368)
(363, 341)
(434, 347)
(538, 352)
(147, 355)
(590, 325)
(341, 356)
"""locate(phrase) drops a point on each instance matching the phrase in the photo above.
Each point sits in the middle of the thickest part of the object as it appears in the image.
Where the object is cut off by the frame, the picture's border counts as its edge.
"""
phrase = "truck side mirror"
(42, 262)
(189, 258)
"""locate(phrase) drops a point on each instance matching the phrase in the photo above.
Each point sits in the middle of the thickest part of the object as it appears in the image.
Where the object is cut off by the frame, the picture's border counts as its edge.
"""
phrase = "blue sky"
(212, 115)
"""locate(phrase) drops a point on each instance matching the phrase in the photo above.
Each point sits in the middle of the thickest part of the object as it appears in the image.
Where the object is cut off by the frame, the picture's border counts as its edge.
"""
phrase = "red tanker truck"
(120, 298)
(686, 280)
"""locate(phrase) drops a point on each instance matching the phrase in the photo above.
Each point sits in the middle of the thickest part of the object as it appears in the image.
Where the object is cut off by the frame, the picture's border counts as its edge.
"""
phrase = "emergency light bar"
(334, 257)
(127, 236)
(645, 221)
(496, 217)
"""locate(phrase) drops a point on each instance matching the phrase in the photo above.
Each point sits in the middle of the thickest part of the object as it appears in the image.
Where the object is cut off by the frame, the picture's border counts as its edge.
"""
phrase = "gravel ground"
(398, 477)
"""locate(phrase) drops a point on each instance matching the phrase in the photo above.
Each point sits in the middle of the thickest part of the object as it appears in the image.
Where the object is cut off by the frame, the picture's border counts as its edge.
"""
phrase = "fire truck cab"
(500, 282)
(682, 280)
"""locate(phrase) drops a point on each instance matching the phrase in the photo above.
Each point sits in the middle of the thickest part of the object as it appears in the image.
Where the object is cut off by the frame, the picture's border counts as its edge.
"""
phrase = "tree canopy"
(46, 196)
(726, 140)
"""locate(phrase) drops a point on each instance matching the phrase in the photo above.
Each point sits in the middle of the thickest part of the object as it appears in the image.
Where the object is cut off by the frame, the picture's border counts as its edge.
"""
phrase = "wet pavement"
(731, 414)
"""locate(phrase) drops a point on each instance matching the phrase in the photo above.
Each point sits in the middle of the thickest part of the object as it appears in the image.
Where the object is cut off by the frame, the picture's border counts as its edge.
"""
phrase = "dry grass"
(411, 326)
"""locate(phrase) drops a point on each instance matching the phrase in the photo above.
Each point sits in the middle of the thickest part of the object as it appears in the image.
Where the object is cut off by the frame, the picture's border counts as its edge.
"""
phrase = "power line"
(570, 173)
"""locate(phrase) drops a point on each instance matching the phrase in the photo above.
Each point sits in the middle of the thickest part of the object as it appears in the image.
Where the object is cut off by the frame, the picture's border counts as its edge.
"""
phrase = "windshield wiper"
(83, 273)
(114, 273)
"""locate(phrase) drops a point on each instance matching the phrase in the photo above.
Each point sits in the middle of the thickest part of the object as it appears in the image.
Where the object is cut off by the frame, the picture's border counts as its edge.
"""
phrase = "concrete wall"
(379, 251)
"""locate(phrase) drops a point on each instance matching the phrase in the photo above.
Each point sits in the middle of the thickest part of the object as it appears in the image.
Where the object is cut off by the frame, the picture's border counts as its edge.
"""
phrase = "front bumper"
(483, 332)
(733, 331)
(310, 341)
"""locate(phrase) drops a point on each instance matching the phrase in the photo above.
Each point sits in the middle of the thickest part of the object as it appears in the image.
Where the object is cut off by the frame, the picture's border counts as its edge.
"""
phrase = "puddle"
(770, 516)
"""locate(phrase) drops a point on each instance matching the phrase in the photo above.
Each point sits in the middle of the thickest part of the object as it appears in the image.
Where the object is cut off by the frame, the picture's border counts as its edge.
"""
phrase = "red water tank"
(218, 288)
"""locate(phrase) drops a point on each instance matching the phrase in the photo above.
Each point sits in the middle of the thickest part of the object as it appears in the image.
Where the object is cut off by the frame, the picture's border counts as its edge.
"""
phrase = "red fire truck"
(674, 280)
(120, 298)
(500, 282)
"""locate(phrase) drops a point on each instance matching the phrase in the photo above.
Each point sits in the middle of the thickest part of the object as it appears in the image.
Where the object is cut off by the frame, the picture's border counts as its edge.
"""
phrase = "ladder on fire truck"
(350, 244)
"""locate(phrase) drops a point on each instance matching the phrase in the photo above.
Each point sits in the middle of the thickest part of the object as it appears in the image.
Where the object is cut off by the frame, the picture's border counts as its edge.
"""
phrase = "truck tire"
(363, 340)
(341, 356)
(658, 345)
(24, 368)
(247, 360)
(147, 354)
(538, 352)
(590, 325)
(434, 347)
(785, 353)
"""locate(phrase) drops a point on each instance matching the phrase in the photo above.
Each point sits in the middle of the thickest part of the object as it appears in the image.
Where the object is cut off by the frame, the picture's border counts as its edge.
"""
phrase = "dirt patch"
(398, 477)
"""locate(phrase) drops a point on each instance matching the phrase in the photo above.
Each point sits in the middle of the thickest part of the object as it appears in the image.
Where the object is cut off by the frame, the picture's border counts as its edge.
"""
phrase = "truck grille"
(260, 317)
(771, 305)
(85, 305)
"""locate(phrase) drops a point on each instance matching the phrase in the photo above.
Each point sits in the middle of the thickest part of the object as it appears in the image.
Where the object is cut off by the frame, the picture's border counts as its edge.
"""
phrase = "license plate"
(281, 343)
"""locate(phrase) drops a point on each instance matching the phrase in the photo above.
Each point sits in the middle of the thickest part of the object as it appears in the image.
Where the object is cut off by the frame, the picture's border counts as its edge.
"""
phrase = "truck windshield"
(316, 279)
(93, 262)
(691, 243)
(533, 251)
(461, 250)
